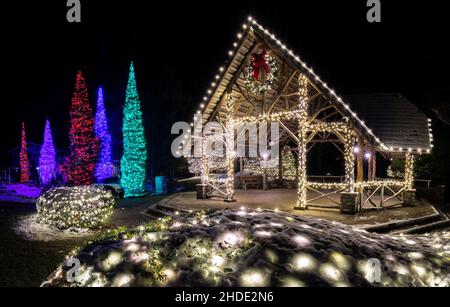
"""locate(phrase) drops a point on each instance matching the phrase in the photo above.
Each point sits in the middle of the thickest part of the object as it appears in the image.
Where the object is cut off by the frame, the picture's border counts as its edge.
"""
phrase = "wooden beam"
(291, 134)
(281, 91)
(233, 80)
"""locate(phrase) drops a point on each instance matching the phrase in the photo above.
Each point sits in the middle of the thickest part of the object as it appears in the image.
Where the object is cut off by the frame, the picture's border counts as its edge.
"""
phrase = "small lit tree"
(288, 168)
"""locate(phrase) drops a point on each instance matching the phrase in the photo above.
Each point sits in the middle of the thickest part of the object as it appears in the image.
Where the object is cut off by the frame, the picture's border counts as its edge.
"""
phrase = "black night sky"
(177, 47)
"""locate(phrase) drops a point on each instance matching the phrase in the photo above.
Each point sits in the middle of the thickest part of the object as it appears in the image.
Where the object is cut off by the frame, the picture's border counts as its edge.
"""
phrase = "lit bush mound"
(253, 248)
(75, 207)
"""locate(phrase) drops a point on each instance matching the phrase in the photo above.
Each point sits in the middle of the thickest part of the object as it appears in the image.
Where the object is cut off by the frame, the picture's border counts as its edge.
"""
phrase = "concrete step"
(392, 226)
(423, 228)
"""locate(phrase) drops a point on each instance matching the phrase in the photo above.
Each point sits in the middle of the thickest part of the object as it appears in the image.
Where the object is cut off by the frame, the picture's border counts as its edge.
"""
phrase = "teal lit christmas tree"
(134, 160)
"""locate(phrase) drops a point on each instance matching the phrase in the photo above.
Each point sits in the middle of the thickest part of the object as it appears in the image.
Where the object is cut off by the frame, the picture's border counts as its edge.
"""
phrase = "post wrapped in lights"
(24, 163)
(47, 157)
(205, 163)
(349, 159)
(230, 152)
(409, 171)
(302, 120)
(75, 207)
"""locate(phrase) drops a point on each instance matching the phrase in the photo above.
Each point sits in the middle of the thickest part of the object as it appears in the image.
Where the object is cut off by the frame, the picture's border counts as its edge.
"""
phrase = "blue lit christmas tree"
(104, 167)
(47, 157)
(133, 164)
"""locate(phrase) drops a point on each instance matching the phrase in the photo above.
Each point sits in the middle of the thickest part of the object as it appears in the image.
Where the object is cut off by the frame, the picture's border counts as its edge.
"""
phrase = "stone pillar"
(302, 152)
(409, 197)
(350, 202)
(230, 152)
(202, 191)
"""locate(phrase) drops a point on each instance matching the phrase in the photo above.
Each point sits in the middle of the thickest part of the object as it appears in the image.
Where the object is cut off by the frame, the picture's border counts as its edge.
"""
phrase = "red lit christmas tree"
(24, 164)
(79, 166)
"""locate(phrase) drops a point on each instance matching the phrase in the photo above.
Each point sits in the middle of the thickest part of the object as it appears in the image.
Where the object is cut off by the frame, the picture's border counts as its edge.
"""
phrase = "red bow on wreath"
(259, 62)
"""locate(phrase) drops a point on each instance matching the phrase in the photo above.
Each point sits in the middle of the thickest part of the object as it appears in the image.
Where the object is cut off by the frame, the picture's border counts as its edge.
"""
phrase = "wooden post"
(265, 178)
(369, 169)
(360, 163)
(374, 165)
(241, 169)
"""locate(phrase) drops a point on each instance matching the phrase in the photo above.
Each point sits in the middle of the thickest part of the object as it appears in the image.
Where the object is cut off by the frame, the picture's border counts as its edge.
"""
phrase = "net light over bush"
(78, 207)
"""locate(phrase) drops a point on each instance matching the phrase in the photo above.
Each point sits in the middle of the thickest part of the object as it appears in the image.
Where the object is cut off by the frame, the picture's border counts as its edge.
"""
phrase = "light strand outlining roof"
(231, 53)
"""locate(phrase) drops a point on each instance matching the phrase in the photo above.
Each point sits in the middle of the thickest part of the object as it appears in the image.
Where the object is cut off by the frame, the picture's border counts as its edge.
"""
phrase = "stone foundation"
(409, 197)
(202, 190)
(349, 202)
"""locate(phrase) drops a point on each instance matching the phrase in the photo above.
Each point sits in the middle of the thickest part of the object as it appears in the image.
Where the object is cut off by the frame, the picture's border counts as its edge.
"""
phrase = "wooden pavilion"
(264, 81)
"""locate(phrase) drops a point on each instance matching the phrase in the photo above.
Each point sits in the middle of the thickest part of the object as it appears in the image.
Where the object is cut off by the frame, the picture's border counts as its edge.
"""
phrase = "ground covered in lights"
(257, 248)
(19, 192)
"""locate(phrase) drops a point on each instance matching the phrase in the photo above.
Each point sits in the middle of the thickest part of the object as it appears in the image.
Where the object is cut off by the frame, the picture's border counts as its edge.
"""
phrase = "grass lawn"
(27, 263)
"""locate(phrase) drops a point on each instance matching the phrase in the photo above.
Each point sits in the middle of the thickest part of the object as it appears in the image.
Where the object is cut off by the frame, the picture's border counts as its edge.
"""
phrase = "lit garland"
(104, 168)
(47, 157)
(24, 163)
(409, 171)
(288, 168)
(78, 207)
(133, 165)
(78, 168)
(261, 73)
(302, 138)
(267, 118)
(365, 184)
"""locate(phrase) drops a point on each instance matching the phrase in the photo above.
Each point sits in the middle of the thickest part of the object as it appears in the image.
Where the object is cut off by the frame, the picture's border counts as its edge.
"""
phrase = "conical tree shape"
(24, 163)
(104, 168)
(78, 168)
(47, 157)
(133, 164)
(289, 170)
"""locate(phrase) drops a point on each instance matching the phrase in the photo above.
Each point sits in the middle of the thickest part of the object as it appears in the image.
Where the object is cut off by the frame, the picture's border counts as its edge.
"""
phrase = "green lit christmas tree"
(133, 165)
(289, 170)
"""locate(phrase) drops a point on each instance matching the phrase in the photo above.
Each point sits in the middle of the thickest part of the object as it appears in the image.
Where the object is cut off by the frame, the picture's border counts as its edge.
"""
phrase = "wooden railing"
(380, 194)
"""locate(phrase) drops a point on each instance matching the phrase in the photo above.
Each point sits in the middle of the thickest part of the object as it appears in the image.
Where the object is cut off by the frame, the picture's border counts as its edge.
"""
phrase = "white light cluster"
(78, 207)
(251, 22)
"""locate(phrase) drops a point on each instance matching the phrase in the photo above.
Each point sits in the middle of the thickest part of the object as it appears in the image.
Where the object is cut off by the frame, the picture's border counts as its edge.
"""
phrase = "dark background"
(177, 47)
